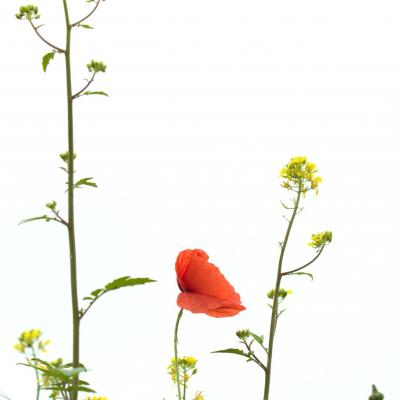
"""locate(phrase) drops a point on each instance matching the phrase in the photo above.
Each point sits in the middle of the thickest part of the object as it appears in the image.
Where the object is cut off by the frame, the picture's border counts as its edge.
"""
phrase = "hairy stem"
(71, 219)
(274, 315)
(178, 383)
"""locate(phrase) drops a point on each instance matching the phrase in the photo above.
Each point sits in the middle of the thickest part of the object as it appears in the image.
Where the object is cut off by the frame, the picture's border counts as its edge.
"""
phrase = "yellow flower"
(186, 368)
(29, 339)
(96, 398)
(19, 347)
(198, 396)
(299, 174)
(320, 239)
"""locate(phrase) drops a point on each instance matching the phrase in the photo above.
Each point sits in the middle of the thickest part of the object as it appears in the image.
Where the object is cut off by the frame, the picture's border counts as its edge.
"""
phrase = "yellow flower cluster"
(187, 368)
(300, 175)
(27, 339)
(96, 398)
(320, 239)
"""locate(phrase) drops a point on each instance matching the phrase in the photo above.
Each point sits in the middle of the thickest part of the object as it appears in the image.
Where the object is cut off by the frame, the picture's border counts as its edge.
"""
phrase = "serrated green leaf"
(126, 281)
(88, 93)
(85, 26)
(46, 59)
(42, 217)
(88, 298)
(303, 273)
(233, 351)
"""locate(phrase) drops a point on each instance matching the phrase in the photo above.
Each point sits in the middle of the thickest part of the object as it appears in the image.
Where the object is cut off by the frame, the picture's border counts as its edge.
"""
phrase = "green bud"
(243, 334)
(96, 66)
(271, 294)
(282, 293)
(51, 205)
(65, 156)
(28, 12)
(376, 395)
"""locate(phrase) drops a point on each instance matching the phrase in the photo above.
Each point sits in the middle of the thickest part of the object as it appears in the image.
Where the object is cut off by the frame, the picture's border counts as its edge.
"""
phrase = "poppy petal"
(212, 306)
(202, 277)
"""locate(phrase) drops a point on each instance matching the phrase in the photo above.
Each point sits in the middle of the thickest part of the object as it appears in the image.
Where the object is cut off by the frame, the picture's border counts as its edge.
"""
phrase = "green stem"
(178, 383)
(71, 220)
(37, 375)
(305, 265)
(274, 315)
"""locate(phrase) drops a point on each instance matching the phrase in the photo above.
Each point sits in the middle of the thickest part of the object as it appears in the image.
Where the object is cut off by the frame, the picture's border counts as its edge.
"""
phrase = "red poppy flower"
(204, 288)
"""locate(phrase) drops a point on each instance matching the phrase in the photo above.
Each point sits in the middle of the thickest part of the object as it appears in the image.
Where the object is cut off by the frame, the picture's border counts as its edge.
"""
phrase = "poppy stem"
(178, 383)
(279, 275)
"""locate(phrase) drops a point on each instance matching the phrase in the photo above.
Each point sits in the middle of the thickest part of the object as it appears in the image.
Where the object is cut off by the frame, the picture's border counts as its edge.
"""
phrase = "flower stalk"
(178, 379)
(274, 315)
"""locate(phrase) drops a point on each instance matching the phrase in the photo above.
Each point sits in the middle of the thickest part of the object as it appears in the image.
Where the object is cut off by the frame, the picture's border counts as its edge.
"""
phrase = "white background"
(208, 100)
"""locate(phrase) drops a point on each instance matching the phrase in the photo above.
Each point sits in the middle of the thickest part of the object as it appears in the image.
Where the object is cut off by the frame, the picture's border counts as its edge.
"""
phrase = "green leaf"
(126, 281)
(233, 351)
(85, 26)
(303, 273)
(258, 339)
(79, 389)
(88, 93)
(85, 182)
(96, 292)
(42, 217)
(46, 59)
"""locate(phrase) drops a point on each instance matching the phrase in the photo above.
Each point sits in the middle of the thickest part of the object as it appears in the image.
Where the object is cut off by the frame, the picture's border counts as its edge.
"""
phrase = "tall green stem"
(274, 315)
(178, 383)
(37, 375)
(71, 220)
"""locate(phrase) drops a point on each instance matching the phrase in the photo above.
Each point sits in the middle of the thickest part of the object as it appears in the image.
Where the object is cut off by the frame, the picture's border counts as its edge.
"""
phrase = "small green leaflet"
(85, 182)
(258, 339)
(85, 26)
(303, 273)
(46, 59)
(42, 217)
(126, 281)
(88, 93)
(233, 351)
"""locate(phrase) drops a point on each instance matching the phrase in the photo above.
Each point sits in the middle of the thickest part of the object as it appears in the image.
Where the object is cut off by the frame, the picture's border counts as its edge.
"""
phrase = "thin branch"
(254, 357)
(305, 265)
(36, 29)
(87, 16)
(85, 87)
(90, 305)
(60, 219)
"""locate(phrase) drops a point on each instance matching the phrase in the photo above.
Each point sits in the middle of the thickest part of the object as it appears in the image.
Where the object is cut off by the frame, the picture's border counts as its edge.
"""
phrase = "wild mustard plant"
(299, 177)
(30, 345)
(187, 367)
(69, 383)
